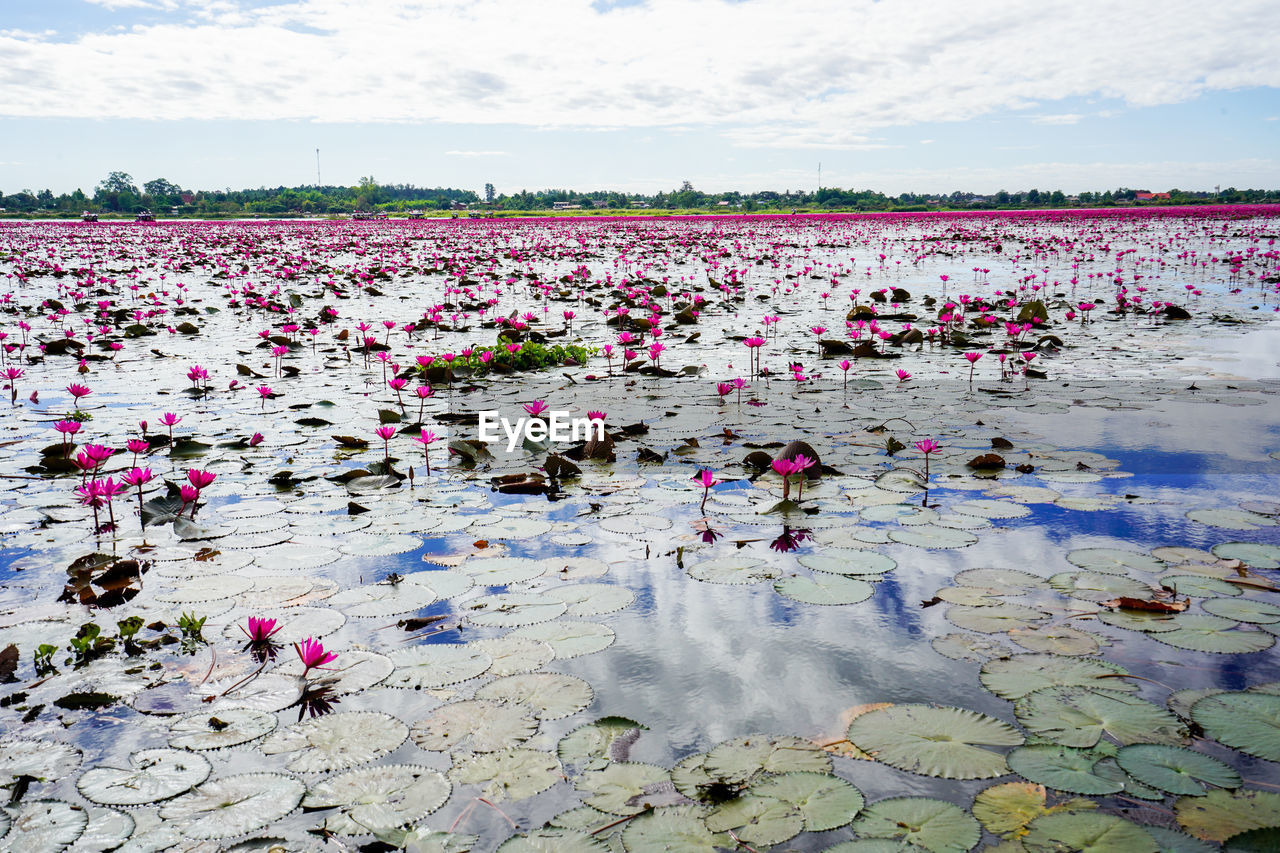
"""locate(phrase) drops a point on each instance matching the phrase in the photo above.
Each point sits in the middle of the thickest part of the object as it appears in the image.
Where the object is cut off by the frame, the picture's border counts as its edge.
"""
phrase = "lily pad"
(380, 600)
(1174, 769)
(550, 695)
(513, 610)
(1255, 554)
(234, 805)
(733, 570)
(376, 799)
(482, 725)
(569, 639)
(552, 840)
(337, 741)
(436, 665)
(510, 774)
(1220, 814)
(743, 759)
(227, 728)
(994, 619)
(619, 788)
(157, 774)
(824, 589)
(42, 826)
(933, 825)
(1063, 768)
(1249, 722)
(1114, 561)
(1006, 809)
(757, 820)
(43, 760)
(1076, 716)
(933, 537)
(1017, 675)
(1094, 832)
(824, 801)
(935, 741)
(1213, 634)
(1243, 610)
(595, 744)
(849, 561)
(672, 828)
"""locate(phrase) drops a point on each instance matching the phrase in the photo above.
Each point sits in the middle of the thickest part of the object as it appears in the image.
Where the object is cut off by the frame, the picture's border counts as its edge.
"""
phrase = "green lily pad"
(1255, 554)
(43, 826)
(1249, 722)
(552, 840)
(1231, 519)
(1076, 716)
(1007, 808)
(479, 724)
(1004, 581)
(734, 571)
(1172, 841)
(376, 799)
(1062, 768)
(968, 647)
(157, 774)
(1243, 610)
(511, 774)
(1114, 561)
(1087, 832)
(931, 741)
(672, 828)
(513, 610)
(1174, 769)
(569, 638)
(436, 665)
(619, 787)
(848, 561)
(337, 741)
(1198, 586)
(994, 619)
(933, 825)
(1095, 586)
(550, 695)
(1199, 633)
(932, 537)
(1017, 675)
(743, 759)
(1057, 639)
(593, 745)
(1221, 814)
(824, 589)
(757, 820)
(227, 728)
(824, 801)
(1265, 840)
(234, 805)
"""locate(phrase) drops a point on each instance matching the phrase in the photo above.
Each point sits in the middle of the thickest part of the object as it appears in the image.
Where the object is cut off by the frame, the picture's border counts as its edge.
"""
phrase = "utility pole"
(317, 168)
(819, 174)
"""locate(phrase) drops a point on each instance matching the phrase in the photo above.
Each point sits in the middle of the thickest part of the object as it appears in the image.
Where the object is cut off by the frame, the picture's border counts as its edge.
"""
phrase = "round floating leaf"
(824, 589)
(157, 774)
(107, 830)
(445, 584)
(1231, 519)
(270, 692)
(1075, 716)
(881, 845)
(968, 647)
(757, 820)
(1056, 639)
(481, 725)
(1094, 586)
(593, 744)
(1249, 722)
(1017, 675)
(1213, 634)
(994, 619)
(931, 741)
(234, 805)
(824, 801)
(501, 571)
(1094, 832)
(932, 536)
(733, 570)
(379, 544)
(376, 799)
(744, 758)
(1266, 840)
(1172, 841)
(1255, 554)
(1006, 809)
(44, 760)
(512, 774)
(230, 727)
(512, 655)
(513, 610)
(592, 599)
(620, 788)
(934, 825)
(436, 665)
(1062, 768)
(1114, 561)
(550, 695)
(849, 561)
(1198, 586)
(1004, 581)
(985, 508)
(43, 826)
(1243, 610)
(1220, 814)
(355, 671)
(672, 828)
(380, 600)
(552, 840)
(1174, 769)
(1139, 620)
(569, 639)
(337, 741)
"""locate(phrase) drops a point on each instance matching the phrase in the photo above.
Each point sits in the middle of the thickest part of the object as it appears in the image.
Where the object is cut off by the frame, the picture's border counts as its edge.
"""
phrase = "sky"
(641, 95)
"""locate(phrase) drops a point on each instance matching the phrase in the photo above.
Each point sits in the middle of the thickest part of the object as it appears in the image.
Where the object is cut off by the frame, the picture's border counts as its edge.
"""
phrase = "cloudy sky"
(639, 95)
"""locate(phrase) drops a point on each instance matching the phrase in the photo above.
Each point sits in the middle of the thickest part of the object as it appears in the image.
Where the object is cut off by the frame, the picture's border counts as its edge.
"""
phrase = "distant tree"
(163, 191)
(118, 182)
(488, 193)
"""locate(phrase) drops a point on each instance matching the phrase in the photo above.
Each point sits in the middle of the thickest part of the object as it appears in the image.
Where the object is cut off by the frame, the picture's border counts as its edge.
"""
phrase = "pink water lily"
(312, 654)
(260, 630)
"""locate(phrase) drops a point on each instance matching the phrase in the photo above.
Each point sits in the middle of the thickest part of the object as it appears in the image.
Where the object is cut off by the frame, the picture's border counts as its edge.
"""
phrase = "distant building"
(1151, 196)
(639, 204)
(565, 205)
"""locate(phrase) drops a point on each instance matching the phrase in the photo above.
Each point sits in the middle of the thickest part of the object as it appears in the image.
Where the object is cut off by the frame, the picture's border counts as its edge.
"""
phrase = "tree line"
(119, 193)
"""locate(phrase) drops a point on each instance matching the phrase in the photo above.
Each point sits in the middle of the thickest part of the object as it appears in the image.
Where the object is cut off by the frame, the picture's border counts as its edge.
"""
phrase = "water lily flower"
(535, 408)
(312, 654)
(260, 630)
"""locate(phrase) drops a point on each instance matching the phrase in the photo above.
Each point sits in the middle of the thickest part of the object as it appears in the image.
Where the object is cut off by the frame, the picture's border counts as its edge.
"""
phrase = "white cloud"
(770, 73)
(477, 153)
(1061, 118)
(927, 141)
(134, 4)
